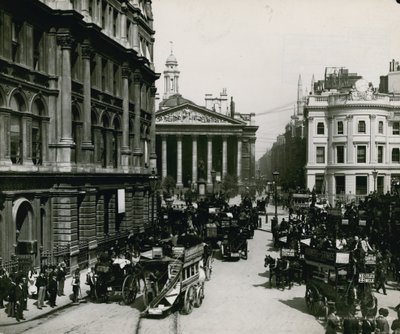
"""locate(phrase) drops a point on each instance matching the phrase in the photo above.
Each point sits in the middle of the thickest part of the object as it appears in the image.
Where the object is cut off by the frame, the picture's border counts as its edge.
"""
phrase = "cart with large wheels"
(111, 279)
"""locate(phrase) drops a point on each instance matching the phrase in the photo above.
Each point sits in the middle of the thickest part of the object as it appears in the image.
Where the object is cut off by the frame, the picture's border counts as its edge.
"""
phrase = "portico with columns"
(192, 141)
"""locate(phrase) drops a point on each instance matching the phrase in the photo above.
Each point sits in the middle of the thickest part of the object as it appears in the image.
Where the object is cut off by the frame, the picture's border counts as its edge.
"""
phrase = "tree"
(230, 186)
(168, 184)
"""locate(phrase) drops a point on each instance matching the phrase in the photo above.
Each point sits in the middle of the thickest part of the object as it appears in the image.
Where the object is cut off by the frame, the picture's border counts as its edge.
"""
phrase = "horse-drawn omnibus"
(174, 280)
(333, 276)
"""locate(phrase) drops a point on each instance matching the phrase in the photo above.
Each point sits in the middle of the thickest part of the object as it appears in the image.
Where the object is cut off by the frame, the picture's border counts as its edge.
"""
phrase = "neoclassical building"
(77, 126)
(194, 140)
(353, 141)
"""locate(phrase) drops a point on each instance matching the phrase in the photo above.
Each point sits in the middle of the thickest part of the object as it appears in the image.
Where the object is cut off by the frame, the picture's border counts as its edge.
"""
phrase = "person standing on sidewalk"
(52, 288)
(20, 300)
(61, 273)
(76, 280)
(41, 283)
(396, 323)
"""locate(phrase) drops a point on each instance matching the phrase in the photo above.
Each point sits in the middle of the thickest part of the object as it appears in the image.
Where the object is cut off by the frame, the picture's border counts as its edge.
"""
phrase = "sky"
(257, 49)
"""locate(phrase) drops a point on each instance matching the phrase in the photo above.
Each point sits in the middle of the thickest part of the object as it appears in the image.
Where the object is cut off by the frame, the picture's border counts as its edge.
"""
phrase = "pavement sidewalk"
(61, 302)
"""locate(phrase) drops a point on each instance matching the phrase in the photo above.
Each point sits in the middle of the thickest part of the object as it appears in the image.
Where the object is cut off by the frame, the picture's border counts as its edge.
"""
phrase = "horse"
(270, 262)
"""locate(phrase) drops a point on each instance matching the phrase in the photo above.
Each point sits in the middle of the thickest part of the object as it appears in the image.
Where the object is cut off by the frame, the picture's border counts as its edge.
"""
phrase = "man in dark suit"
(19, 300)
(52, 289)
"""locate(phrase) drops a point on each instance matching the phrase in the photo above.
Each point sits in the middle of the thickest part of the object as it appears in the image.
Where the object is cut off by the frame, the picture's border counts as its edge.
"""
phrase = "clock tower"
(171, 77)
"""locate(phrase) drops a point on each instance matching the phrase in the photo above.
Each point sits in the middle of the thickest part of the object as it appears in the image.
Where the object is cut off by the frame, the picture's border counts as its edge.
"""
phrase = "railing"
(17, 264)
(347, 198)
(113, 241)
(54, 256)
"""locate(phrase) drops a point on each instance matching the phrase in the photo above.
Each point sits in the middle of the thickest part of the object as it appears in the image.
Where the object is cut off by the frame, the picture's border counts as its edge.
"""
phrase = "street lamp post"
(153, 183)
(213, 174)
(275, 176)
(375, 174)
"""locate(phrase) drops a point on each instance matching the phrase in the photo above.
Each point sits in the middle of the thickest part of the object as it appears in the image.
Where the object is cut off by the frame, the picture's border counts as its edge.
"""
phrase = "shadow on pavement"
(264, 274)
(264, 285)
(297, 303)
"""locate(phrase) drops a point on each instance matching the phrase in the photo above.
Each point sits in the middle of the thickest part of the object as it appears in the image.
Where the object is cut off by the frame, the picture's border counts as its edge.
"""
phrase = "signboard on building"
(121, 200)
(286, 252)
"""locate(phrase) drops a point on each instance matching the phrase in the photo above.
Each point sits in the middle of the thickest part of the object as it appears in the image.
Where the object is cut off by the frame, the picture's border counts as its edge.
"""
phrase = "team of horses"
(284, 271)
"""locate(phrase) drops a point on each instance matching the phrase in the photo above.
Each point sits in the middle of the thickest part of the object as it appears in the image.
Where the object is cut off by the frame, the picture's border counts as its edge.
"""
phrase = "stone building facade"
(194, 140)
(353, 141)
(77, 126)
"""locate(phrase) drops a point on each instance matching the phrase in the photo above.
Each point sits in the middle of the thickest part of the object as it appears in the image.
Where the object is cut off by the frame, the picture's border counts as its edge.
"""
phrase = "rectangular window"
(15, 140)
(396, 128)
(340, 184)
(320, 155)
(116, 80)
(361, 127)
(361, 154)
(379, 184)
(320, 128)
(380, 154)
(340, 154)
(361, 185)
(104, 69)
(16, 29)
(380, 127)
(340, 128)
(396, 155)
(319, 183)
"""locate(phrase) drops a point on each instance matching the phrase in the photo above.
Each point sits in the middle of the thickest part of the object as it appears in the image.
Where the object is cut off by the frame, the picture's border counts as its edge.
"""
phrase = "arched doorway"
(23, 218)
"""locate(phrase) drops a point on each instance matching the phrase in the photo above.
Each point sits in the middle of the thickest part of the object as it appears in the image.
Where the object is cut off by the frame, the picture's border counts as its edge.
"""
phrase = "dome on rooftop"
(172, 59)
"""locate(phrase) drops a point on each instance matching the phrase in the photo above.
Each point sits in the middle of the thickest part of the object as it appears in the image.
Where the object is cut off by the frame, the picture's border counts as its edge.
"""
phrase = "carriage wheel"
(311, 300)
(199, 296)
(208, 268)
(129, 289)
(100, 293)
(190, 296)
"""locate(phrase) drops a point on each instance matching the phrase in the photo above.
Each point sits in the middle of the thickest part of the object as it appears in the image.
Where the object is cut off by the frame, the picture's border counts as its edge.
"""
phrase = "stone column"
(239, 160)
(123, 23)
(209, 159)
(137, 149)
(135, 37)
(331, 150)
(252, 164)
(194, 159)
(4, 139)
(153, 155)
(164, 156)
(350, 145)
(125, 150)
(224, 156)
(310, 150)
(85, 11)
(179, 183)
(87, 144)
(372, 155)
(66, 113)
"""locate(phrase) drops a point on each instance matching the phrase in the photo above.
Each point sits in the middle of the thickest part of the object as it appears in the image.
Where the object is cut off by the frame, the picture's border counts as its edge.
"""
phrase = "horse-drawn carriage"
(234, 244)
(333, 277)
(115, 277)
(174, 280)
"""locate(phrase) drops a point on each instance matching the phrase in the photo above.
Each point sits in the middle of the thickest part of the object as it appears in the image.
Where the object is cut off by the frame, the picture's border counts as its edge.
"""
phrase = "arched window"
(76, 135)
(320, 128)
(17, 104)
(115, 142)
(103, 141)
(37, 113)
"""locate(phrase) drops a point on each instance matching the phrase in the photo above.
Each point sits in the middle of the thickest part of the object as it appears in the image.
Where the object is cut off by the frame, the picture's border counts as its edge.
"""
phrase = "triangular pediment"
(192, 114)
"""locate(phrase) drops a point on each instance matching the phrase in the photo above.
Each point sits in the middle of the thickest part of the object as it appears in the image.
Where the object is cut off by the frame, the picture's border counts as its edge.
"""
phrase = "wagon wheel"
(311, 299)
(189, 300)
(100, 292)
(199, 296)
(208, 268)
(129, 289)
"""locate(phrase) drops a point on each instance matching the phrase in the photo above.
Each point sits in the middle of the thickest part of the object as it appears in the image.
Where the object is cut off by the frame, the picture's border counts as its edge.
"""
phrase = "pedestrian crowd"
(43, 286)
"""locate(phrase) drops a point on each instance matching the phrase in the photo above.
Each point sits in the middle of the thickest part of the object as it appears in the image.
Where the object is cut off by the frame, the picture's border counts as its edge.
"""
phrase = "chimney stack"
(232, 108)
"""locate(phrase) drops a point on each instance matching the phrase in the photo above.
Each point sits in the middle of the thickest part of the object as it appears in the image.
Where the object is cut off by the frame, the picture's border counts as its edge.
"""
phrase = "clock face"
(362, 85)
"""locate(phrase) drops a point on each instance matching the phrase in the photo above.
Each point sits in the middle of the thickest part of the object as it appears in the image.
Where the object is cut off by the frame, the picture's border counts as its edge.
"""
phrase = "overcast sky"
(257, 49)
